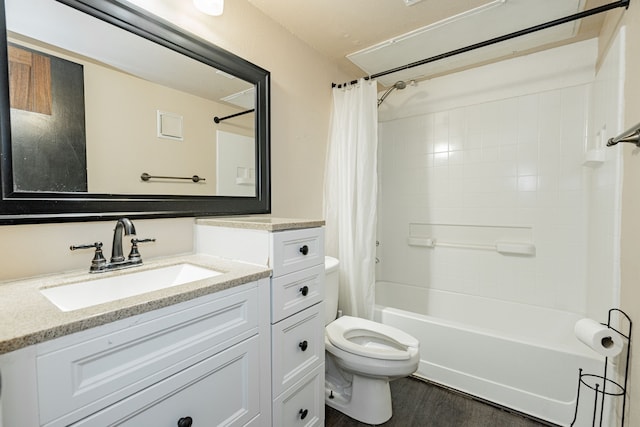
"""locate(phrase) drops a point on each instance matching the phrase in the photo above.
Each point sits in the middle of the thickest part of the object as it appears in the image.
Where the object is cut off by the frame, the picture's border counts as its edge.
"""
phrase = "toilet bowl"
(362, 356)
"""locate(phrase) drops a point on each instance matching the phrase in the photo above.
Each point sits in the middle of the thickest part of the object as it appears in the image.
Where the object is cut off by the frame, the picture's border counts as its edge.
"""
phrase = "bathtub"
(519, 356)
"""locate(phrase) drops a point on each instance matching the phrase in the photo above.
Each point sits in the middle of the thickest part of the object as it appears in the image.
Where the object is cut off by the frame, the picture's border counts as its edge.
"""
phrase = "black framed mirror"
(144, 107)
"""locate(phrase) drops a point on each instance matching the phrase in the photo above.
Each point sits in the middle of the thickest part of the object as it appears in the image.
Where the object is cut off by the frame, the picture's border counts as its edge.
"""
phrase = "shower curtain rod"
(535, 28)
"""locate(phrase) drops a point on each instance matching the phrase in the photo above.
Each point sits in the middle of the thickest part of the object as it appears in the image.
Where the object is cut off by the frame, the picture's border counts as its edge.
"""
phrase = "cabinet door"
(80, 379)
(298, 346)
(219, 391)
(295, 250)
(303, 404)
(296, 291)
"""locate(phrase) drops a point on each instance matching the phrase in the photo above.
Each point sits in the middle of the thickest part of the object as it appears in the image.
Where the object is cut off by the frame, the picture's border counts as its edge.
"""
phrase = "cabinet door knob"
(303, 345)
(304, 290)
(185, 422)
(304, 250)
(303, 413)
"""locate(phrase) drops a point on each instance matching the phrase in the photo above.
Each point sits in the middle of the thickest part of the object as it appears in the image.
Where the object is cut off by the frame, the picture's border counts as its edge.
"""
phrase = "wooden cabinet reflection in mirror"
(29, 80)
(47, 122)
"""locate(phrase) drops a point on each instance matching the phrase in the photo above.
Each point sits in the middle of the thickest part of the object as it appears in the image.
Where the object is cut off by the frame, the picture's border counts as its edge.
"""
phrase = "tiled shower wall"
(494, 168)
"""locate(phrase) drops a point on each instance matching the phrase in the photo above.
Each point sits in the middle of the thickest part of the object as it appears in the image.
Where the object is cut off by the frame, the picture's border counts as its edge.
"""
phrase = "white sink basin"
(98, 291)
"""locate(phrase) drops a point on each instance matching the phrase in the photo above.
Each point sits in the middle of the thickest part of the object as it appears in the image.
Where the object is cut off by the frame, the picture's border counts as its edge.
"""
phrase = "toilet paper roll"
(598, 337)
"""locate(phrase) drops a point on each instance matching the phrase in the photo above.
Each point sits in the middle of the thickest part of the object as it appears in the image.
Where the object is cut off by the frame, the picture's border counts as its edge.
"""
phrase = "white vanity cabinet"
(197, 362)
(220, 390)
(296, 257)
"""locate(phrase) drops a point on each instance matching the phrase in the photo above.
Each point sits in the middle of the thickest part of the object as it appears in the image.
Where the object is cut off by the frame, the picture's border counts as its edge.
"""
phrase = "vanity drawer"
(303, 403)
(295, 250)
(201, 392)
(296, 291)
(298, 346)
(91, 372)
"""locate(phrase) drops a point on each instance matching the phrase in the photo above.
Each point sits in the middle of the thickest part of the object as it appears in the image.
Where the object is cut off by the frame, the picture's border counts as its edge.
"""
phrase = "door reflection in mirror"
(47, 122)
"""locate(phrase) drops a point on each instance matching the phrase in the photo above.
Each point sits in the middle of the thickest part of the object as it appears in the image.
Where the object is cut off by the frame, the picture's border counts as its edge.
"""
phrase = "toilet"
(362, 356)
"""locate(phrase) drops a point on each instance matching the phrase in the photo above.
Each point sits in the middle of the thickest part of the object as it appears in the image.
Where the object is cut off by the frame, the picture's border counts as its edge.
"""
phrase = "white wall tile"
(510, 161)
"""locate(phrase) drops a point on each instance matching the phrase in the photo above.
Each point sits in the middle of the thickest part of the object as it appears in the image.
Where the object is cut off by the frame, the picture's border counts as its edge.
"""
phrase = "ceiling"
(392, 34)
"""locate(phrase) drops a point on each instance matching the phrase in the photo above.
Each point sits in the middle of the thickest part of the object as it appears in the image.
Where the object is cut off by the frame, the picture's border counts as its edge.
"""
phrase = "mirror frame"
(41, 207)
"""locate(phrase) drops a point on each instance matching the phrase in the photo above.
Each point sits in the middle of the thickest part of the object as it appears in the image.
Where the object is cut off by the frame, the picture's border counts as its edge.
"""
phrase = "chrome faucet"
(123, 224)
(118, 261)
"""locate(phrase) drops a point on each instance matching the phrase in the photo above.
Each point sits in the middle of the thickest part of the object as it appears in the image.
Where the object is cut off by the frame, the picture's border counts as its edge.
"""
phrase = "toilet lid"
(370, 339)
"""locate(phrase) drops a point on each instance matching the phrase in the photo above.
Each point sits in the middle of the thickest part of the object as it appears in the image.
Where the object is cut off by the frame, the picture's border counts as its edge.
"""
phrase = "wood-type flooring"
(418, 403)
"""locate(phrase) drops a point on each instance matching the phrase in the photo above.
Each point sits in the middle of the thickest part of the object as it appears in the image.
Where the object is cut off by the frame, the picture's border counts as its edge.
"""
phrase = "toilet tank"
(330, 288)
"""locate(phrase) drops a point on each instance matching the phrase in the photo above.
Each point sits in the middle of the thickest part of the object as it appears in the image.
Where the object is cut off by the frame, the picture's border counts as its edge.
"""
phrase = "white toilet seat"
(371, 339)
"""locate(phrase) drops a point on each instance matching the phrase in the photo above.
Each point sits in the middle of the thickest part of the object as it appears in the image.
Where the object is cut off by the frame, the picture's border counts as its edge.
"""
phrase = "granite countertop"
(27, 317)
(256, 222)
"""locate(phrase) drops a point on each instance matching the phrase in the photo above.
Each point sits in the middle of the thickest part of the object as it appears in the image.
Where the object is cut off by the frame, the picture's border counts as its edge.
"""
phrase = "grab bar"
(630, 135)
(506, 248)
(146, 177)
(217, 119)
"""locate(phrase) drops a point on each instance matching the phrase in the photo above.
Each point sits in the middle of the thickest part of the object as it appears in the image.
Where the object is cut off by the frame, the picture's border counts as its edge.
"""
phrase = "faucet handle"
(97, 245)
(134, 255)
(98, 262)
(135, 241)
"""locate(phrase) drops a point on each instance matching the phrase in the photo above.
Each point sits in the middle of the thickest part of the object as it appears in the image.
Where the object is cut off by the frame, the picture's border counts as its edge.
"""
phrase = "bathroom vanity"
(244, 347)
(187, 354)
(294, 250)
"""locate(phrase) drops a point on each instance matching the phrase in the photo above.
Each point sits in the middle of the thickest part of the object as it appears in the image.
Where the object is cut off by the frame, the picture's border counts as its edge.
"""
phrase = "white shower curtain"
(350, 194)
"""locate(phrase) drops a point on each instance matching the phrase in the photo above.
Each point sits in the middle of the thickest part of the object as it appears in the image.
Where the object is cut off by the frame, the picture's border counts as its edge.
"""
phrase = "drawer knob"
(304, 290)
(304, 250)
(185, 422)
(303, 345)
(303, 413)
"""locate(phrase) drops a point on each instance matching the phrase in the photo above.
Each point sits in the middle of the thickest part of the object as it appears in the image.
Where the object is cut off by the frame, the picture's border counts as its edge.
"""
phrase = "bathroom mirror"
(124, 121)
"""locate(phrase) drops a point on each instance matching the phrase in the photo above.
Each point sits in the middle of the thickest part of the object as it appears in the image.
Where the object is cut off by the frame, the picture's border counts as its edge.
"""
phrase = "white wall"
(300, 100)
(605, 184)
(630, 228)
(494, 153)
(300, 94)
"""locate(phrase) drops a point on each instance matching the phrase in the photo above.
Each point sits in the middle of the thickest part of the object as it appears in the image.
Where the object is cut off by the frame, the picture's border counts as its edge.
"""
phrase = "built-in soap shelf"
(507, 248)
(595, 154)
(506, 240)
(245, 176)
(594, 157)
